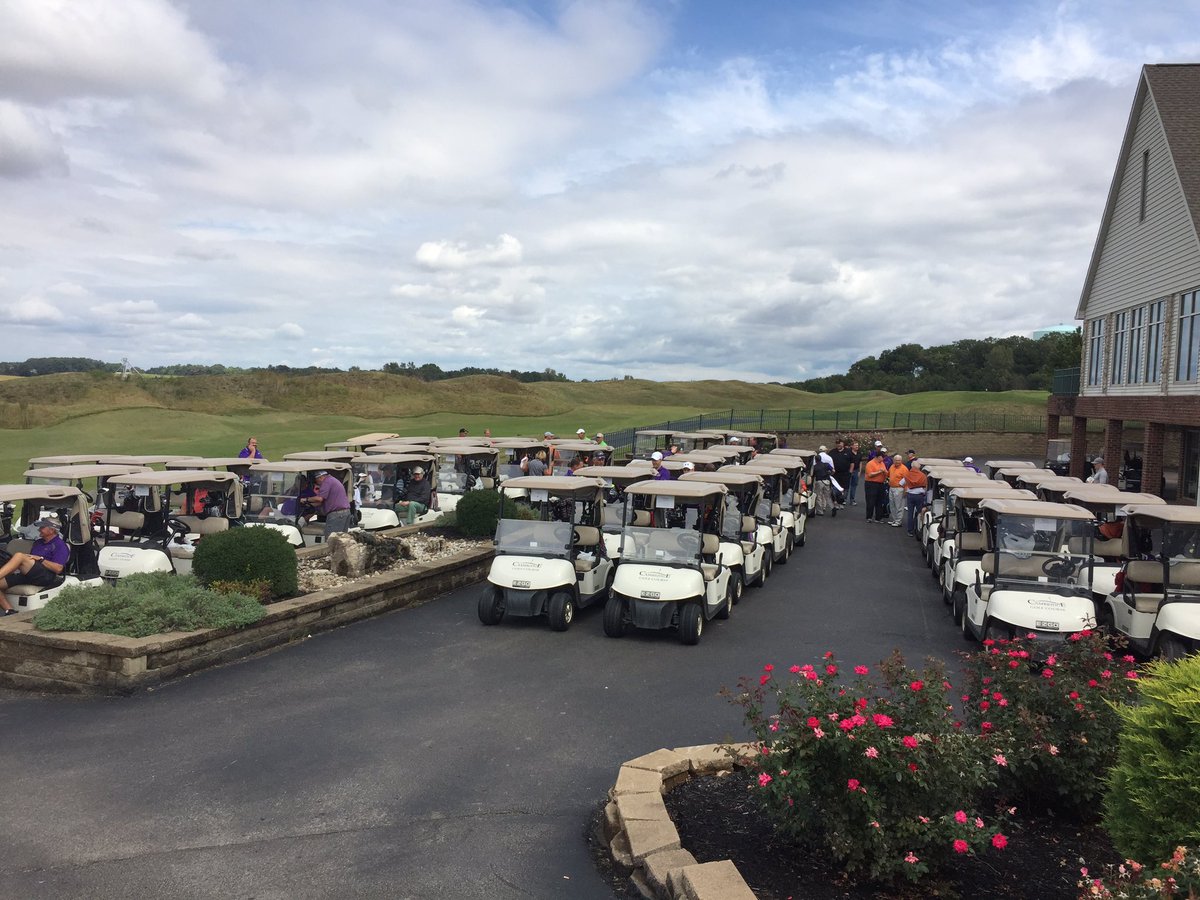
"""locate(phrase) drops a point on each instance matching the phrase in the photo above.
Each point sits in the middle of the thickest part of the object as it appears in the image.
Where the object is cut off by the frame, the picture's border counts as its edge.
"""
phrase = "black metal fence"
(860, 422)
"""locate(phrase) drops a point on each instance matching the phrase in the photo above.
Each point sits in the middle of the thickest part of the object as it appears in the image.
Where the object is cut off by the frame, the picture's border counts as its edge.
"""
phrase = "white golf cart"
(993, 466)
(807, 457)
(670, 574)
(462, 468)
(940, 482)
(360, 443)
(275, 503)
(149, 461)
(91, 479)
(792, 492)
(510, 452)
(554, 565)
(1058, 455)
(761, 441)
(1036, 572)
(1107, 504)
(70, 505)
(958, 552)
(154, 520)
(776, 513)
(78, 459)
(381, 481)
(741, 550)
(616, 479)
(1157, 605)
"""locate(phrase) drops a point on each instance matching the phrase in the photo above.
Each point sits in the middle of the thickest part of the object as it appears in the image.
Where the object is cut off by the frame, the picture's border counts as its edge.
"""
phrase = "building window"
(1145, 181)
(1188, 358)
(1095, 372)
(1137, 344)
(1120, 344)
(1154, 341)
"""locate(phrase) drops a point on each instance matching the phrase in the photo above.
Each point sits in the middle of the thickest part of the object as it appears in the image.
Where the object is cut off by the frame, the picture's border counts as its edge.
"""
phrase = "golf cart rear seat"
(487, 483)
(127, 521)
(18, 591)
(971, 542)
(1110, 549)
(1184, 574)
(641, 518)
(587, 538)
(748, 527)
(709, 550)
(1014, 567)
(207, 525)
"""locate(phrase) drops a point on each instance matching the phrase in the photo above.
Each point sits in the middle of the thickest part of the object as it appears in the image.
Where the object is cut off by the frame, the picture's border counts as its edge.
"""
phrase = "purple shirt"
(54, 550)
(246, 452)
(332, 494)
(662, 474)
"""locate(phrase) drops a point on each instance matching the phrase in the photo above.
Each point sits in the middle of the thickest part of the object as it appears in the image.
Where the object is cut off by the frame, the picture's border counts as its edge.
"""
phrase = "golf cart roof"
(141, 460)
(577, 446)
(792, 451)
(1109, 495)
(695, 435)
(614, 474)
(323, 455)
(359, 440)
(690, 490)
(699, 456)
(464, 450)
(1186, 515)
(991, 490)
(723, 451)
(1066, 483)
(927, 461)
(556, 484)
(212, 462)
(752, 434)
(405, 439)
(301, 466)
(1010, 464)
(736, 477)
(1033, 476)
(516, 443)
(75, 473)
(11, 493)
(396, 447)
(1037, 509)
(655, 432)
(76, 459)
(368, 458)
(769, 466)
(178, 476)
(954, 480)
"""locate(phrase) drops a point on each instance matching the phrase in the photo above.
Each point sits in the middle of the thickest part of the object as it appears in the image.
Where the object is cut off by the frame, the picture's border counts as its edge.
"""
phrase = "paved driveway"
(418, 754)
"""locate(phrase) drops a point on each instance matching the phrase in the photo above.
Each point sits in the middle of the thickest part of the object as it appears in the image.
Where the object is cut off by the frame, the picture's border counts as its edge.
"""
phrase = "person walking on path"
(856, 457)
(822, 472)
(896, 473)
(842, 463)
(915, 486)
(874, 487)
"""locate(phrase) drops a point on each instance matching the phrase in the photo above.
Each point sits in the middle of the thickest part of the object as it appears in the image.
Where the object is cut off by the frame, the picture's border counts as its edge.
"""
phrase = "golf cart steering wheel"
(1061, 566)
(689, 542)
(177, 528)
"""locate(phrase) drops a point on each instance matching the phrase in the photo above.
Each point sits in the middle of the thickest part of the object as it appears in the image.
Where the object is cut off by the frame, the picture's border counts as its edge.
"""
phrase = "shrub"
(875, 772)
(1179, 876)
(478, 511)
(1054, 709)
(247, 555)
(1154, 788)
(145, 604)
(259, 589)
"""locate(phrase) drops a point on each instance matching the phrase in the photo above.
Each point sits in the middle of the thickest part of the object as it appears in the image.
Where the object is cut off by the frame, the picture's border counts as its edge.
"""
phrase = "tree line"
(990, 364)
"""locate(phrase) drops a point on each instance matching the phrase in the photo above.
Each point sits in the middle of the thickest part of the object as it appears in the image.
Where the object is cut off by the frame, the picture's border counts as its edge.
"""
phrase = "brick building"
(1140, 305)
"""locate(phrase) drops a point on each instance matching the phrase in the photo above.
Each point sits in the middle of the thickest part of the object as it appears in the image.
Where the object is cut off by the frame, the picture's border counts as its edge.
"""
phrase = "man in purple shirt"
(660, 471)
(42, 566)
(331, 502)
(251, 449)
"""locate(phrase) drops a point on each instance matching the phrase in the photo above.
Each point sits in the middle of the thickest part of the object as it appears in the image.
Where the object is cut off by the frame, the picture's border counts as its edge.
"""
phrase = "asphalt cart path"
(419, 754)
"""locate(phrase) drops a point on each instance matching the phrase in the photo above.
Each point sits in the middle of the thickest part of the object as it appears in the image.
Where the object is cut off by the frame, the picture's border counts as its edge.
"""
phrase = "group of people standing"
(894, 486)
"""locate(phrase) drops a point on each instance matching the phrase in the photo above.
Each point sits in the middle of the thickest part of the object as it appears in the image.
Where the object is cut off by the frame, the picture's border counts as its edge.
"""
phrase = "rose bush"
(1179, 876)
(876, 771)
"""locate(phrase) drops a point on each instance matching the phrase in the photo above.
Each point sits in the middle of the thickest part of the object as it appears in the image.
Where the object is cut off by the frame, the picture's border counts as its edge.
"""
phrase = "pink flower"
(1000, 759)
(1047, 673)
(960, 817)
(861, 670)
(831, 669)
(1106, 674)
(1003, 701)
(911, 859)
(817, 732)
(882, 721)
(812, 722)
(811, 675)
(996, 695)
(909, 741)
(874, 824)
(960, 846)
(852, 784)
(768, 668)
(917, 685)
(986, 726)
(1051, 660)
(924, 820)
(1093, 683)
(912, 767)
(978, 822)
(763, 679)
(795, 670)
(1074, 695)
(988, 642)
(999, 841)
(872, 753)
(828, 654)
(984, 704)
(1127, 658)
(763, 779)
(1053, 750)
(1131, 674)
(1013, 664)
(774, 726)
(766, 751)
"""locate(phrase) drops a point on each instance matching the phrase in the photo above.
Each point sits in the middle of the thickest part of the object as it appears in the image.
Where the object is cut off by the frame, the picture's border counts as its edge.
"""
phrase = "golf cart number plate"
(520, 584)
(1046, 626)
(650, 595)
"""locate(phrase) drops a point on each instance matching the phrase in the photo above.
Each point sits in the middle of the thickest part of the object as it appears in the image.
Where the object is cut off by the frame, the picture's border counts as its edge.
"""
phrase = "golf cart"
(144, 530)
(39, 462)
(554, 565)
(381, 481)
(941, 480)
(82, 476)
(1107, 504)
(806, 457)
(320, 456)
(510, 452)
(1058, 455)
(1036, 572)
(462, 468)
(70, 505)
(671, 574)
(781, 507)
(360, 443)
(701, 459)
(958, 551)
(992, 466)
(277, 504)
(761, 441)
(616, 479)
(742, 550)
(1156, 603)
(1052, 489)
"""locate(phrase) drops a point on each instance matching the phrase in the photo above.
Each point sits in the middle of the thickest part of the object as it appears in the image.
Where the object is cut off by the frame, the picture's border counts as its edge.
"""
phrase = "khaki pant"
(896, 500)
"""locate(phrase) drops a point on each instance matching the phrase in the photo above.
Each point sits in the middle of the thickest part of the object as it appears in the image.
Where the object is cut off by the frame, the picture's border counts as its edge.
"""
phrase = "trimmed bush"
(145, 604)
(478, 511)
(1154, 788)
(247, 555)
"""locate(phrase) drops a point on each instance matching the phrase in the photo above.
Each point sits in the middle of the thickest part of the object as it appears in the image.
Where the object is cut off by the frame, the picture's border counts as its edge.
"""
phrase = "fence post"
(876, 420)
(731, 420)
(895, 419)
(1003, 422)
(814, 419)
(761, 413)
(857, 413)
(837, 420)
(789, 425)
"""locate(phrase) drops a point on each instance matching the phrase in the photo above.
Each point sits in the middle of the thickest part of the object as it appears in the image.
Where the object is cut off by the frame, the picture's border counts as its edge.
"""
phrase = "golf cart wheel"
(561, 611)
(1105, 623)
(958, 603)
(691, 623)
(491, 604)
(737, 584)
(925, 552)
(996, 630)
(1171, 647)
(727, 606)
(614, 616)
(967, 633)
(804, 534)
(768, 562)
(789, 544)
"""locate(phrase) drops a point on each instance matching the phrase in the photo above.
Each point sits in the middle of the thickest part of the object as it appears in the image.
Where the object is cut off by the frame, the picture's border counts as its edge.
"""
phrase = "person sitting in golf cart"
(295, 504)
(417, 497)
(42, 566)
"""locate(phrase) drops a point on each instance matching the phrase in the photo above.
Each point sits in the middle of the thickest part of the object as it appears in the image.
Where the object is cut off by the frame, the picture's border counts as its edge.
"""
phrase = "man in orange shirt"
(915, 485)
(895, 477)
(875, 487)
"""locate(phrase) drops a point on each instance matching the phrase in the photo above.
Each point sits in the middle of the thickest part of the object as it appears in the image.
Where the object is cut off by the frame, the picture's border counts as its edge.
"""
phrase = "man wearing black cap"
(332, 502)
(41, 566)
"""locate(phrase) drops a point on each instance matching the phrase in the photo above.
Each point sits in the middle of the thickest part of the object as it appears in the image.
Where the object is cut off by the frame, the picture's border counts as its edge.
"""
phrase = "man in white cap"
(1099, 473)
(660, 473)
(581, 434)
(41, 567)
(969, 463)
(822, 472)
(417, 497)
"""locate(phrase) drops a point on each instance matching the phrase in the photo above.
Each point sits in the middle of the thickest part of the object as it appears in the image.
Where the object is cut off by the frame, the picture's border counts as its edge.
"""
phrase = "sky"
(665, 189)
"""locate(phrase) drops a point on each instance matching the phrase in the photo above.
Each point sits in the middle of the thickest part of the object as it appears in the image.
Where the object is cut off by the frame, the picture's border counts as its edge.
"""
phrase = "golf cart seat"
(207, 525)
(487, 483)
(1149, 573)
(586, 538)
(1014, 567)
(127, 521)
(1110, 549)
(972, 542)
(20, 545)
(709, 549)
(641, 518)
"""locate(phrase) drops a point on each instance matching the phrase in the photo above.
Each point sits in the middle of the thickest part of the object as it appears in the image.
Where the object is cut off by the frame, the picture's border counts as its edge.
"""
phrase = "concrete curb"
(644, 842)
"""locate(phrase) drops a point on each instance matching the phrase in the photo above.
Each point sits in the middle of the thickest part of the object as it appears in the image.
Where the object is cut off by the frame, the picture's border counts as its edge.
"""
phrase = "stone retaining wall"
(643, 840)
(90, 663)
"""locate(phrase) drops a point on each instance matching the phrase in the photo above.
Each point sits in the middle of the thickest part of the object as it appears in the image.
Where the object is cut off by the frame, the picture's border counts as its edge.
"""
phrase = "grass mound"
(146, 604)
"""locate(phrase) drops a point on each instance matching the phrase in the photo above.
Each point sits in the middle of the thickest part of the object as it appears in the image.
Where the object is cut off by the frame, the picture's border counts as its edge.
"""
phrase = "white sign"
(539, 495)
(664, 502)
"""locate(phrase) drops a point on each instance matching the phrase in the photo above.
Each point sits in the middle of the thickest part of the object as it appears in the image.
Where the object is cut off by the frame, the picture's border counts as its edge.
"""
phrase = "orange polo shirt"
(875, 470)
(915, 479)
(896, 474)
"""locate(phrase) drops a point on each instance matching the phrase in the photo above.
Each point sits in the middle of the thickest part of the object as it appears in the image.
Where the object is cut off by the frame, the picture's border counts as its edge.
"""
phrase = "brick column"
(1079, 447)
(1152, 457)
(1051, 428)
(1114, 433)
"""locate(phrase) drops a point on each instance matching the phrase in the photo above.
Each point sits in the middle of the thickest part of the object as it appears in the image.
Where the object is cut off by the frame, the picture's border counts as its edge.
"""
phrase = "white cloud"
(290, 330)
(459, 255)
(32, 310)
(468, 315)
(28, 147)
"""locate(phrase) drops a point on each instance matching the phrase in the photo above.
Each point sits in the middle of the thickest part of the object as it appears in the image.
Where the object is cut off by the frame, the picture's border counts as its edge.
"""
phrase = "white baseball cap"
(967, 459)
(656, 455)
(879, 443)
(580, 431)
(689, 465)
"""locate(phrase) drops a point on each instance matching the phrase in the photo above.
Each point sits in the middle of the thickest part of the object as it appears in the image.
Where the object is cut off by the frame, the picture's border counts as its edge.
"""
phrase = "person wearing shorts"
(41, 567)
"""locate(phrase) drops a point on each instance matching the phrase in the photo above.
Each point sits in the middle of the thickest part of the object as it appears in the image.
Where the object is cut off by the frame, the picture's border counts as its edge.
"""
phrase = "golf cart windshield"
(660, 545)
(458, 473)
(1042, 550)
(533, 538)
